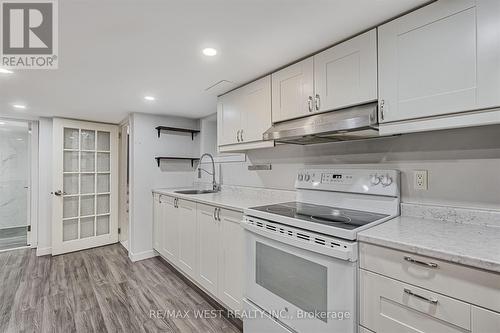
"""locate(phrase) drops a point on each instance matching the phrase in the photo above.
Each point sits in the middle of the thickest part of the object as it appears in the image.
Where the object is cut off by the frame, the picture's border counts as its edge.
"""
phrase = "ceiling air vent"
(220, 87)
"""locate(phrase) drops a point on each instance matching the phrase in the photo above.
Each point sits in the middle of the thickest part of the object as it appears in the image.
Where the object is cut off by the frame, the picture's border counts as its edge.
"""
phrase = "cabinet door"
(229, 108)
(256, 110)
(169, 216)
(346, 74)
(292, 91)
(231, 259)
(208, 244)
(443, 58)
(485, 321)
(186, 217)
(157, 223)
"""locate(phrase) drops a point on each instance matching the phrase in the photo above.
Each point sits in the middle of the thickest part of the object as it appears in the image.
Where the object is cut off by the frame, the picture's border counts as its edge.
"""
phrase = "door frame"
(124, 184)
(58, 246)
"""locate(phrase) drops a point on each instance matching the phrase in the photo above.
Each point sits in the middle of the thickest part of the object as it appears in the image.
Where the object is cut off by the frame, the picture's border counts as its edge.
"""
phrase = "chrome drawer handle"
(310, 103)
(430, 300)
(418, 262)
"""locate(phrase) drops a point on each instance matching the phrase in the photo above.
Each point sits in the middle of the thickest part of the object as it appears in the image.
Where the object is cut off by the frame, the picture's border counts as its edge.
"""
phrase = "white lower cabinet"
(170, 239)
(157, 223)
(404, 292)
(205, 243)
(186, 224)
(388, 305)
(208, 247)
(485, 321)
(231, 259)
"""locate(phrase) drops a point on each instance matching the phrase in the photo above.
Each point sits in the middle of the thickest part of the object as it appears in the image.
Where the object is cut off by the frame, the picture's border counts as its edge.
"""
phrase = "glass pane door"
(14, 183)
(86, 183)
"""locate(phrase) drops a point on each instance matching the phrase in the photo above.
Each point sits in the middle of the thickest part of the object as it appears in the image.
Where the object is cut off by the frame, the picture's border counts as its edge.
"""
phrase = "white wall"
(463, 164)
(145, 174)
(45, 187)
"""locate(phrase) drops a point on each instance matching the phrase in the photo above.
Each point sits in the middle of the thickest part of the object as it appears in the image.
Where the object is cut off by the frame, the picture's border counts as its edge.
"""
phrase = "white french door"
(85, 185)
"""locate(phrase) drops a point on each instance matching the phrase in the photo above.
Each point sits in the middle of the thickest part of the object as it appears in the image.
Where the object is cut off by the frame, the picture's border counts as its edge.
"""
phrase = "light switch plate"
(420, 179)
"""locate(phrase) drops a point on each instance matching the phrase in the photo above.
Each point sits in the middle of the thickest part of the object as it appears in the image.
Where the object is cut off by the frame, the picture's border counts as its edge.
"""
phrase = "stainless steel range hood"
(354, 123)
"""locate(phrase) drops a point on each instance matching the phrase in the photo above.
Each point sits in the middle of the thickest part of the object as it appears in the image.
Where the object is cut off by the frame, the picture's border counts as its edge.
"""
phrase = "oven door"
(307, 291)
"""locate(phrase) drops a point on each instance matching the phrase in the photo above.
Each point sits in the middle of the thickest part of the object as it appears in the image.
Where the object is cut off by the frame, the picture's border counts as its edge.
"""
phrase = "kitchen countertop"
(234, 197)
(471, 244)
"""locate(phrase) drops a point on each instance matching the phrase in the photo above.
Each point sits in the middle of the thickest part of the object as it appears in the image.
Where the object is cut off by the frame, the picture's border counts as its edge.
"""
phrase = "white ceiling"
(113, 52)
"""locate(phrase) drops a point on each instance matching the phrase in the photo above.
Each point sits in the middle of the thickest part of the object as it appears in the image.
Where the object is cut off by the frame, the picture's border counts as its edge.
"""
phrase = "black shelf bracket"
(192, 159)
(177, 129)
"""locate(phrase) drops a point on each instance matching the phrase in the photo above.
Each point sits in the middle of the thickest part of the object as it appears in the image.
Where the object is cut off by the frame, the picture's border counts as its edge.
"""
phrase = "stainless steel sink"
(195, 191)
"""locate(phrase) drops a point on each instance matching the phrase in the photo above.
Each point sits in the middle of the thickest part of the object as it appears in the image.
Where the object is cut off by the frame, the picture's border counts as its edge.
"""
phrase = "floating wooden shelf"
(177, 129)
(192, 159)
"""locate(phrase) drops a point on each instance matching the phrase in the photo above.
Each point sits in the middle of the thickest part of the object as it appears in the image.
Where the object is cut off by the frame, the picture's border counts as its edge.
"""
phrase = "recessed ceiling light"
(209, 52)
(5, 71)
(2, 123)
(19, 106)
(149, 98)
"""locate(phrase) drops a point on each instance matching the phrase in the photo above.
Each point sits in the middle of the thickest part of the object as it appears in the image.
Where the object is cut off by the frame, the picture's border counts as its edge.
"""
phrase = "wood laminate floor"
(97, 290)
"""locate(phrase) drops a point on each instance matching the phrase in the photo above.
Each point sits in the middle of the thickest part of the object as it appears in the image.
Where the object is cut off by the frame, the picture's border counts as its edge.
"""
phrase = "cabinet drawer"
(387, 305)
(471, 285)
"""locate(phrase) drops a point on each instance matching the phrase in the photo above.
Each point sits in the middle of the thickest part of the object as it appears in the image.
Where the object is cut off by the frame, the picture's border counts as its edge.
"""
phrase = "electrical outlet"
(420, 177)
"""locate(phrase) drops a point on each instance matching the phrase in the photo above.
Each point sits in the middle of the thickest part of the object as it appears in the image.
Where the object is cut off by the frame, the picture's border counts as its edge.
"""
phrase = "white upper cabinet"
(346, 74)
(243, 115)
(293, 91)
(256, 106)
(443, 58)
(339, 77)
(228, 119)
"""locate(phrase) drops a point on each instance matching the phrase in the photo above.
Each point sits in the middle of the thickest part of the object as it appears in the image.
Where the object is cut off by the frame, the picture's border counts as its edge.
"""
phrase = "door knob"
(59, 193)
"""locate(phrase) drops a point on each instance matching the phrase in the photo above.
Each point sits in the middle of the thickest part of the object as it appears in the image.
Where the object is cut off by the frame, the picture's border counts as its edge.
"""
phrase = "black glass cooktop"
(335, 217)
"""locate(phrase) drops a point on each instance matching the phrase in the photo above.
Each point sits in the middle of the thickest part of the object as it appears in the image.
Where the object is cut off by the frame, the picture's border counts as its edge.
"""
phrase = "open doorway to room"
(124, 184)
(15, 183)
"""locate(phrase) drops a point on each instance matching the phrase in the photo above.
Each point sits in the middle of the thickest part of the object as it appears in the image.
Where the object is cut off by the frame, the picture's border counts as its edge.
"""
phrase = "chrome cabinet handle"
(382, 109)
(317, 101)
(176, 202)
(238, 135)
(59, 193)
(214, 214)
(241, 135)
(423, 298)
(218, 214)
(310, 103)
(422, 263)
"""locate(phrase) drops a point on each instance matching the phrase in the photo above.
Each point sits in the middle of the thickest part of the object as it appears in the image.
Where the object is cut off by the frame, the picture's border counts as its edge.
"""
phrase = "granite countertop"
(234, 197)
(471, 244)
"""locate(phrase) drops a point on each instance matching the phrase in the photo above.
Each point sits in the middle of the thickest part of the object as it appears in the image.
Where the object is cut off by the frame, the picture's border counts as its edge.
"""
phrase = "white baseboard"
(43, 251)
(124, 244)
(142, 255)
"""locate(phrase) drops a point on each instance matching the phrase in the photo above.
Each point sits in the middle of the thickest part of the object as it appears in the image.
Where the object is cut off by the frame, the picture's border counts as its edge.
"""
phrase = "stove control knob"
(386, 180)
(375, 179)
(307, 177)
(300, 177)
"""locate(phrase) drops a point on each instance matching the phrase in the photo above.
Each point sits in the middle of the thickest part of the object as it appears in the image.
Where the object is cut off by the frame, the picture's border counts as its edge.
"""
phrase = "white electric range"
(301, 256)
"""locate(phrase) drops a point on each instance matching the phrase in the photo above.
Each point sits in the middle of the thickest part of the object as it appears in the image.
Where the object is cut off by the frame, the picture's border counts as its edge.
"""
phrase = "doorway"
(85, 183)
(15, 171)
